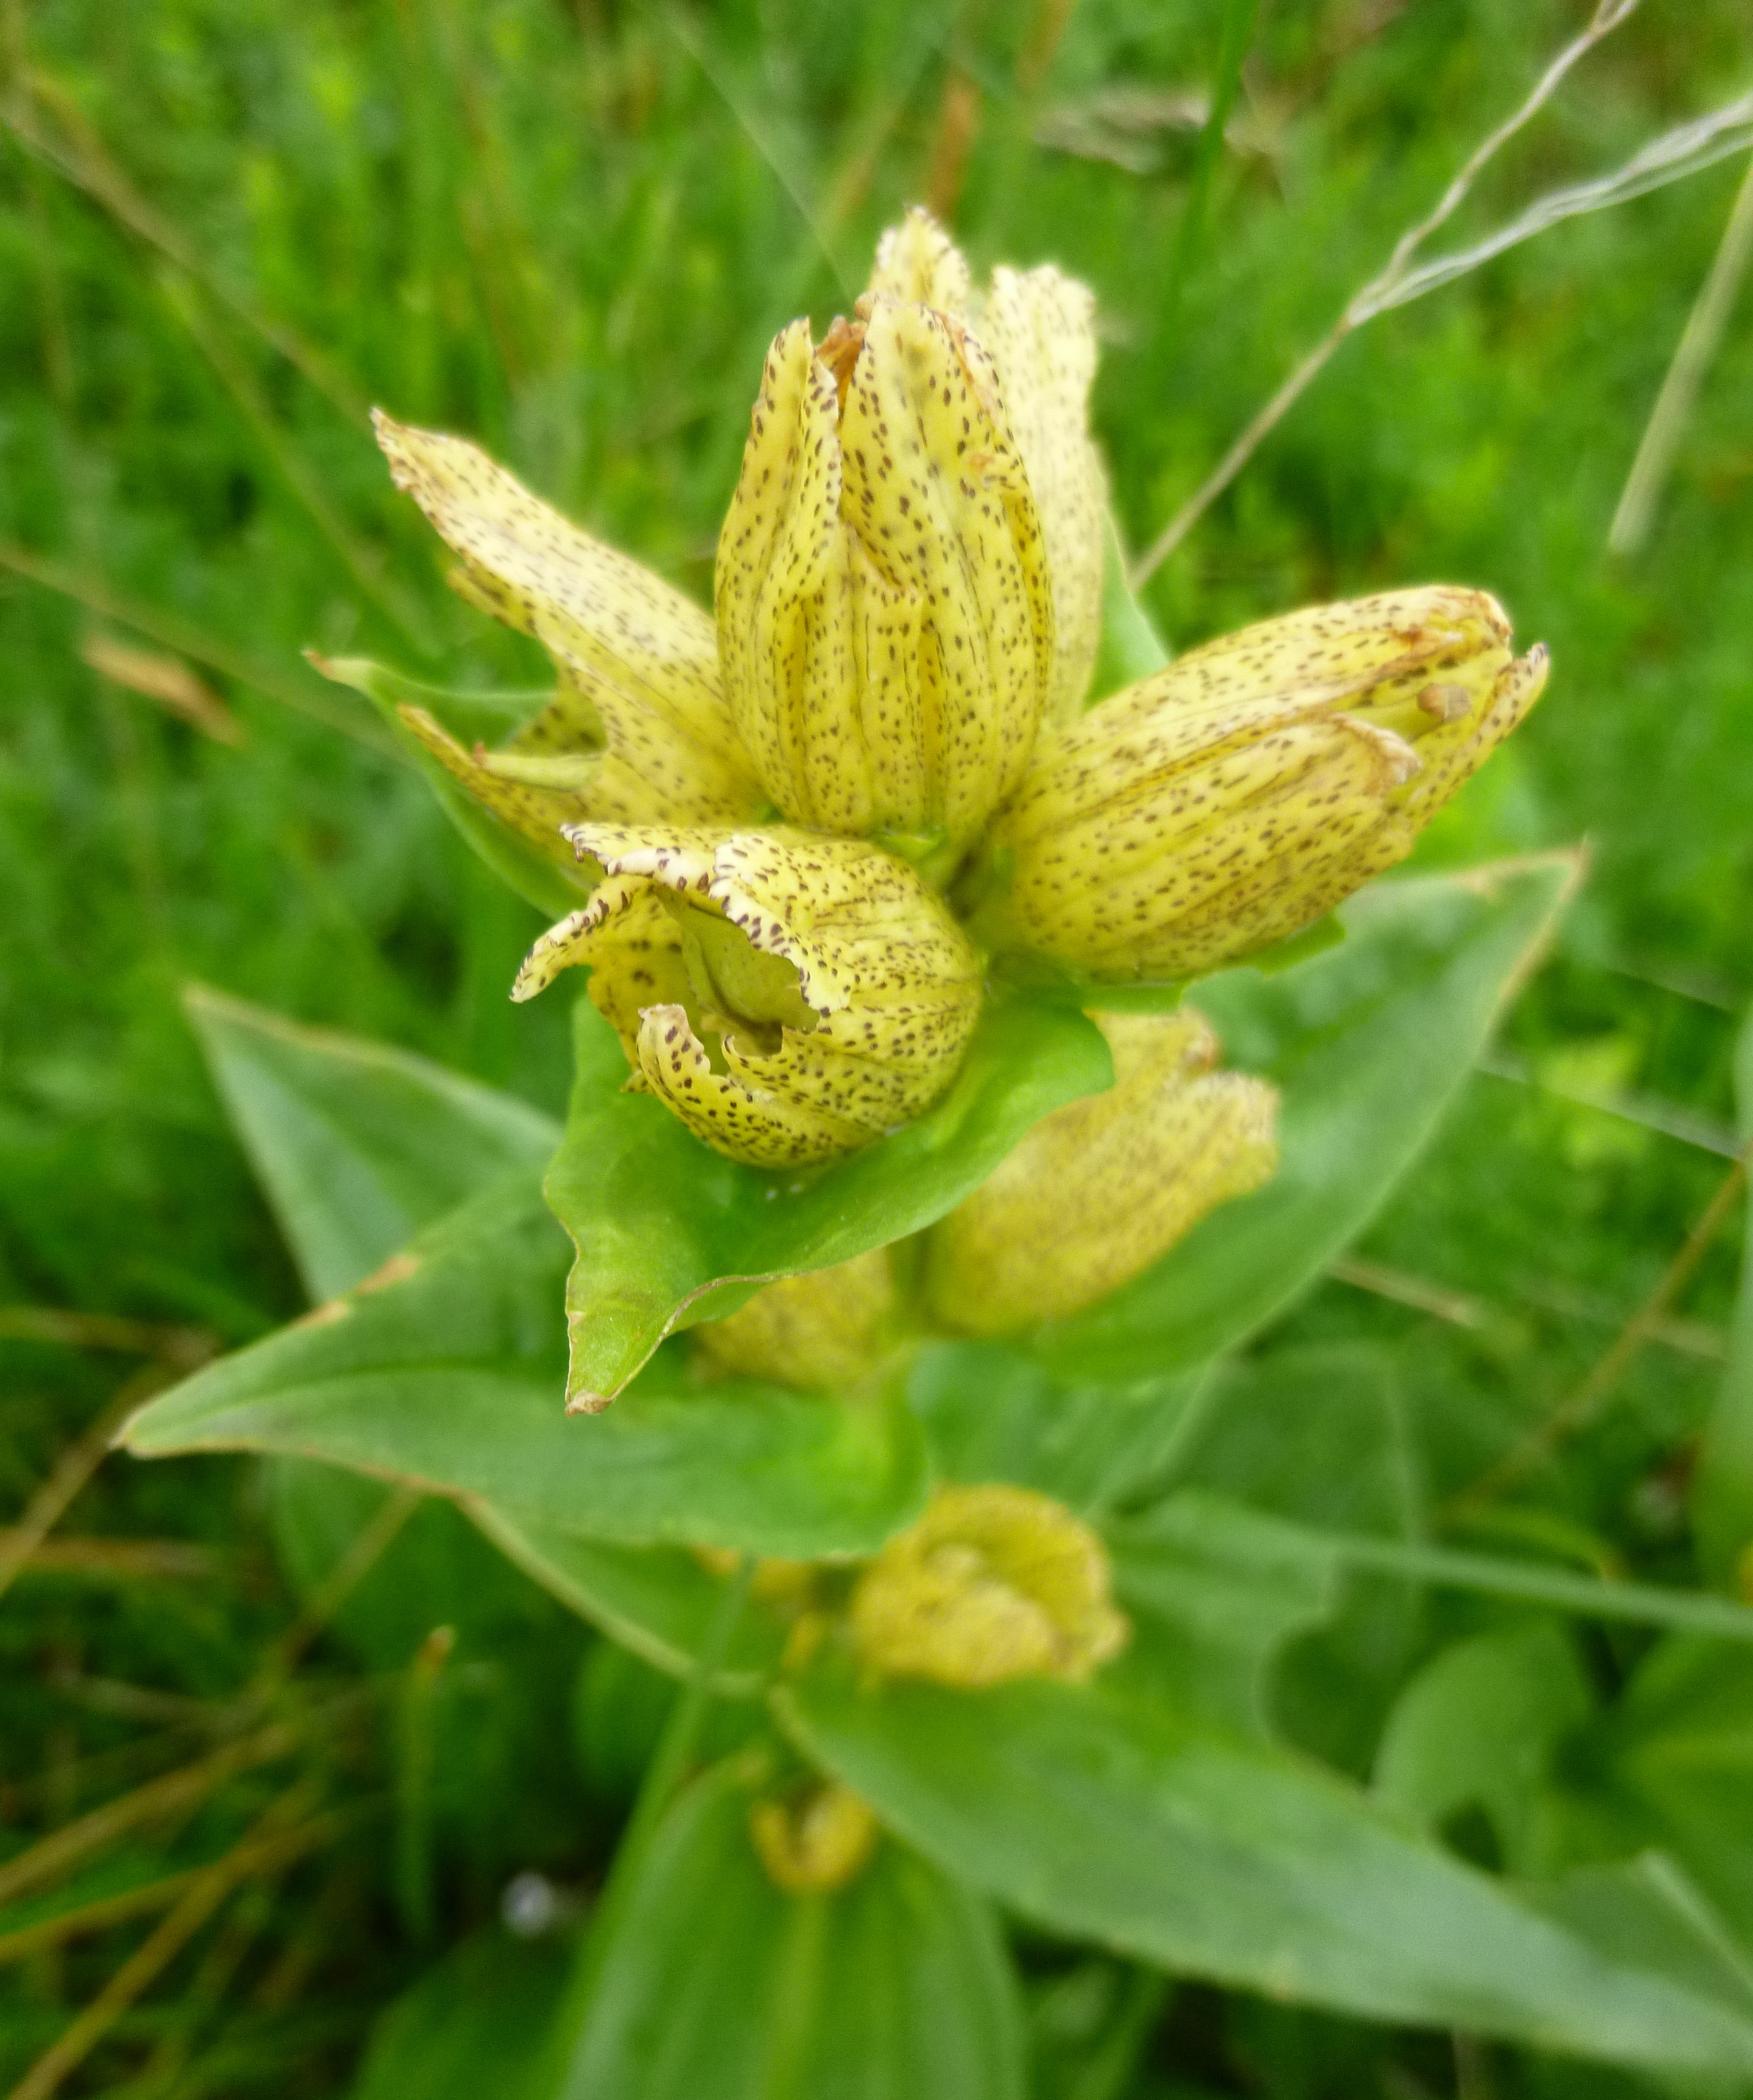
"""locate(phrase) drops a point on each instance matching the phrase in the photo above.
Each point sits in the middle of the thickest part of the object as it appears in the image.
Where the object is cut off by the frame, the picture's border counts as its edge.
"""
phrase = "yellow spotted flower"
(992, 1583)
(1097, 1192)
(1232, 799)
(788, 995)
(769, 804)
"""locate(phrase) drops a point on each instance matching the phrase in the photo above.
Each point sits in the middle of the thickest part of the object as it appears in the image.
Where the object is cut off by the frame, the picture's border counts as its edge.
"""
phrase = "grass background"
(569, 230)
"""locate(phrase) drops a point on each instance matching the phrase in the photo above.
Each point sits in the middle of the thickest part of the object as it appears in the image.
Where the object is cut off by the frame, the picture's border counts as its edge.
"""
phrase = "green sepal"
(540, 879)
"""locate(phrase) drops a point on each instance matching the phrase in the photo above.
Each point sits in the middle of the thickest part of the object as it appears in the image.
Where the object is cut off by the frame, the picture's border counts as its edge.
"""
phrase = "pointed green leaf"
(356, 1144)
(658, 1220)
(717, 1986)
(1370, 1042)
(1102, 1816)
(447, 1371)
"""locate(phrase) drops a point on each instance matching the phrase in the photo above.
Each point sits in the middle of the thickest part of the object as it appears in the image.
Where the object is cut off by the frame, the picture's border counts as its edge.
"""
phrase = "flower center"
(735, 989)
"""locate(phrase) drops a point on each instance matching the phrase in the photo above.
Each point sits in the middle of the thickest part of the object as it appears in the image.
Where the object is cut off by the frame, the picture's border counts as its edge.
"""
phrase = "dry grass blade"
(97, 597)
(185, 1348)
(177, 1791)
(369, 1544)
(1608, 16)
(166, 680)
(264, 1855)
(1598, 1387)
(1698, 345)
(1687, 150)
(1457, 1307)
(204, 1895)
(69, 1474)
(125, 1560)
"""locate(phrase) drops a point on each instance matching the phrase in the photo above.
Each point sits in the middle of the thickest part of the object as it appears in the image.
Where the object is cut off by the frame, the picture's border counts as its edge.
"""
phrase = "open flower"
(1235, 798)
(1105, 1186)
(789, 996)
(907, 605)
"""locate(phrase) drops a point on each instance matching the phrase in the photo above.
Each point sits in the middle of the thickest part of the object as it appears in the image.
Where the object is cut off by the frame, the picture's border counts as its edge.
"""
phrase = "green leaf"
(543, 879)
(475, 2024)
(1215, 1592)
(448, 1373)
(1370, 1042)
(1722, 1494)
(1130, 648)
(1478, 1727)
(356, 1144)
(717, 1986)
(658, 1220)
(1102, 1816)
(992, 1415)
(1677, 1753)
(1648, 1914)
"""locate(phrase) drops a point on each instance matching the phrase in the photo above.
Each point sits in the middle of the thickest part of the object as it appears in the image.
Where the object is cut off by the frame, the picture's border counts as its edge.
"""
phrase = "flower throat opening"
(735, 989)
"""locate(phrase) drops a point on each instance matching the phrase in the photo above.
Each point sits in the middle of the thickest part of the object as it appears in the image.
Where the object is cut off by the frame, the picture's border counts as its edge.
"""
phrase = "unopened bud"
(790, 997)
(885, 616)
(824, 1331)
(1102, 1188)
(1226, 803)
(992, 1583)
(812, 1842)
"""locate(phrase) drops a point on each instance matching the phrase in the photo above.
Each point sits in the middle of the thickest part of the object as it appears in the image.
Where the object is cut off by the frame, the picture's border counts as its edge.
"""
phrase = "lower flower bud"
(823, 1331)
(789, 998)
(992, 1583)
(1103, 1188)
(812, 1842)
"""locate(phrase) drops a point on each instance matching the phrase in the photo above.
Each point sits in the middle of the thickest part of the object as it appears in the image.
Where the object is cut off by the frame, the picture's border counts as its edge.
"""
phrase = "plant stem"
(670, 1763)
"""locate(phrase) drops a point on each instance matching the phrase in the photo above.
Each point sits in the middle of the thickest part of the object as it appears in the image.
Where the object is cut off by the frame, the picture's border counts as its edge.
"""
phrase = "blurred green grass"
(569, 231)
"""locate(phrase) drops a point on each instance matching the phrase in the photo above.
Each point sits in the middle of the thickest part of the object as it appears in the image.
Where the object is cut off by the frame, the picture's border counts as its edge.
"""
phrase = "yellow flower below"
(991, 1584)
(1104, 1187)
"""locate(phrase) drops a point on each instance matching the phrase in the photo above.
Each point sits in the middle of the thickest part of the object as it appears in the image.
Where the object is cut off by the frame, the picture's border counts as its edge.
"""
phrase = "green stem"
(663, 1775)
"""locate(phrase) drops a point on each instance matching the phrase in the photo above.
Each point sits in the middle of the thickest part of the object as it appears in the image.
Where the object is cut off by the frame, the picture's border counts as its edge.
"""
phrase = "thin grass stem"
(1699, 342)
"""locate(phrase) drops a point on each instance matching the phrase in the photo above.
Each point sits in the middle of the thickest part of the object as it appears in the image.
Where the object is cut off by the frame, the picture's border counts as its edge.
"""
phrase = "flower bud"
(822, 1331)
(885, 617)
(918, 263)
(812, 1842)
(1230, 800)
(1039, 328)
(991, 1583)
(1103, 1188)
(789, 998)
(638, 730)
